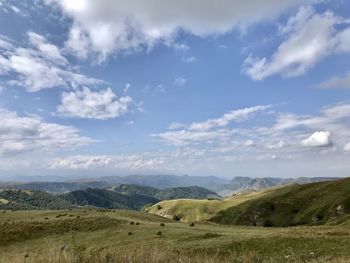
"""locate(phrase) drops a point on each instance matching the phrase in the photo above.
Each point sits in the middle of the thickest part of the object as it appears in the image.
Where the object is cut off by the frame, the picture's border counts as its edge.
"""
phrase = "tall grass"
(143, 254)
(146, 254)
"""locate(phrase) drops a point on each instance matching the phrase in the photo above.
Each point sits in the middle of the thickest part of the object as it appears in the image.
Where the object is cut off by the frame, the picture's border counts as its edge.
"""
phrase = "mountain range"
(118, 197)
(222, 186)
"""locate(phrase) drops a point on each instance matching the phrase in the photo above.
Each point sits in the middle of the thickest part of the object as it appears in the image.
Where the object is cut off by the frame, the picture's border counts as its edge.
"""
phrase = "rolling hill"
(117, 197)
(24, 200)
(193, 192)
(290, 205)
(199, 210)
(314, 203)
(107, 199)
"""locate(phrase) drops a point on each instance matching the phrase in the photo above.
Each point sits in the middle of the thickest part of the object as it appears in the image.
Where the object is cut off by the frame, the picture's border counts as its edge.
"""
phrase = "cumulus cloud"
(114, 26)
(308, 38)
(20, 134)
(88, 104)
(39, 66)
(318, 139)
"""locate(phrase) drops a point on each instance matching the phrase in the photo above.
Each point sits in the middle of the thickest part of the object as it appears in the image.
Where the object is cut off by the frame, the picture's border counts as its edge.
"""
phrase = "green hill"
(192, 192)
(107, 199)
(133, 189)
(315, 203)
(24, 200)
(199, 210)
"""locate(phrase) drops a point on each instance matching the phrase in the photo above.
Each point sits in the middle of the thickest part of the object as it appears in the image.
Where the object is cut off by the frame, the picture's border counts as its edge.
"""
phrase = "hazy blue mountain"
(242, 184)
(167, 181)
(57, 187)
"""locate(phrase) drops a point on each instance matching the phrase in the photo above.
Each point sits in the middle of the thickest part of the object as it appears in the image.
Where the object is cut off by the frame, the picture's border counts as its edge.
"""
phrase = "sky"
(198, 87)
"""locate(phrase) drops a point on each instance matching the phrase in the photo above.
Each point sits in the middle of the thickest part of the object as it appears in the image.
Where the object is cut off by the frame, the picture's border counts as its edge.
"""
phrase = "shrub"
(132, 223)
(192, 224)
(319, 217)
(159, 233)
(137, 223)
(268, 223)
(162, 224)
(129, 233)
(159, 207)
(176, 218)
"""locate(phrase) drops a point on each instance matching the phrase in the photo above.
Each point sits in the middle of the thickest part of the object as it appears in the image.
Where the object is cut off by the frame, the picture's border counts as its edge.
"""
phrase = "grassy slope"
(91, 236)
(316, 203)
(199, 210)
(191, 192)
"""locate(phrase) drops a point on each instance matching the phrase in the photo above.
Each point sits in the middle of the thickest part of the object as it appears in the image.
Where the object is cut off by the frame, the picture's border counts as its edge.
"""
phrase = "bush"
(162, 224)
(319, 217)
(159, 233)
(159, 207)
(132, 223)
(137, 223)
(268, 223)
(129, 233)
(192, 224)
(176, 218)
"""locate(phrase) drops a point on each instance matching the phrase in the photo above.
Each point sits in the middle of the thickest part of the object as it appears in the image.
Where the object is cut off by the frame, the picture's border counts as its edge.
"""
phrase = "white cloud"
(190, 59)
(347, 147)
(124, 162)
(40, 66)
(318, 139)
(180, 81)
(249, 143)
(89, 104)
(5, 43)
(176, 126)
(47, 51)
(278, 145)
(235, 115)
(210, 131)
(105, 27)
(330, 118)
(342, 82)
(185, 137)
(308, 38)
(27, 134)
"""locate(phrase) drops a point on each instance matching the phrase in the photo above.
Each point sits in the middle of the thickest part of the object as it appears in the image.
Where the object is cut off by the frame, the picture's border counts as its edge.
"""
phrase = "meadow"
(100, 235)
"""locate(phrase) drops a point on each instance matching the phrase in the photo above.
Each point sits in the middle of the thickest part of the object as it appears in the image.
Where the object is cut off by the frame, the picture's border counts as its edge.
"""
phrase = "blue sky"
(257, 88)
